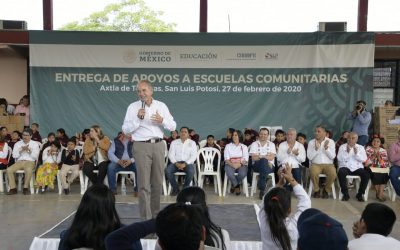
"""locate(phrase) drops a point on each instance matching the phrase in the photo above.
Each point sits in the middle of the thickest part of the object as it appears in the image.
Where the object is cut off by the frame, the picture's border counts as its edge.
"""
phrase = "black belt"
(153, 140)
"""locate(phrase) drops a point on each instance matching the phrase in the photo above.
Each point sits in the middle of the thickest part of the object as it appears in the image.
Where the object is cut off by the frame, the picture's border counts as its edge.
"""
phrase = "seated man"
(25, 153)
(292, 153)
(321, 152)
(121, 159)
(351, 157)
(394, 158)
(182, 154)
(263, 154)
(372, 230)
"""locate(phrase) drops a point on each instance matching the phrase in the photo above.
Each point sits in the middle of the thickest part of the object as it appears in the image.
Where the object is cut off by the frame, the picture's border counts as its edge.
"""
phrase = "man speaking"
(145, 120)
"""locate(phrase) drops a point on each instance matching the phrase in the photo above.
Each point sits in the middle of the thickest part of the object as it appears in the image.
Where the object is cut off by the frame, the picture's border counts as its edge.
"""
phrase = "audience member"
(95, 154)
(342, 140)
(215, 235)
(361, 119)
(120, 155)
(263, 154)
(35, 132)
(3, 154)
(174, 136)
(9, 109)
(23, 110)
(193, 136)
(62, 137)
(51, 137)
(85, 136)
(69, 162)
(351, 157)
(182, 155)
(15, 137)
(389, 103)
(321, 152)
(318, 231)
(291, 152)
(178, 227)
(229, 133)
(278, 228)
(394, 157)
(378, 166)
(95, 218)
(372, 231)
(280, 137)
(302, 138)
(5, 134)
(47, 172)
(236, 157)
(248, 138)
(25, 152)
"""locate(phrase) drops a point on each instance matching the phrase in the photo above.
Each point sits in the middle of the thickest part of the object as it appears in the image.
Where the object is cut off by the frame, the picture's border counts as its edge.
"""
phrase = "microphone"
(143, 105)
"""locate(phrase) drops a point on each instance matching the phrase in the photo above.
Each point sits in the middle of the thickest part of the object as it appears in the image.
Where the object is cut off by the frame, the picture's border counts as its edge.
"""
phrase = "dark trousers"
(343, 172)
(88, 168)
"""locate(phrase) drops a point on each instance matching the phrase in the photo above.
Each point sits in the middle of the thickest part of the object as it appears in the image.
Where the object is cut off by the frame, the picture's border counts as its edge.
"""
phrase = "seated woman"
(95, 152)
(378, 166)
(278, 228)
(69, 162)
(215, 235)
(3, 154)
(95, 218)
(23, 109)
(236, 157)
(47, 172)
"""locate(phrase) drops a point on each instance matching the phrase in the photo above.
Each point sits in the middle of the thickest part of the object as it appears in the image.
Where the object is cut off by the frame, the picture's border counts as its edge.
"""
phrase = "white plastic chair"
(244, 184)
(207, 169)
(254, 182)
(357, 181)
(81, 181)
(310, 187)
(124, 175)
(20, 174)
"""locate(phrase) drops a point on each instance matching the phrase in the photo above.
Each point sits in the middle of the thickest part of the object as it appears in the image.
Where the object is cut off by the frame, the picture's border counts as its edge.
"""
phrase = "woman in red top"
(3, 153)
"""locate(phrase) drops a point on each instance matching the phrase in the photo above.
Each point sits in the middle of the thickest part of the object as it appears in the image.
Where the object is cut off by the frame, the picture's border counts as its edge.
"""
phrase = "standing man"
(182, 154)
(145, 120)
(351, 157)
(361, 120)
(321, 152)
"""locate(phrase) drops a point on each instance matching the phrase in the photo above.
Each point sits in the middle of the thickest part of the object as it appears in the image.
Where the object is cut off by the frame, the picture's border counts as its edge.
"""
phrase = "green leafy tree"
(128, 15)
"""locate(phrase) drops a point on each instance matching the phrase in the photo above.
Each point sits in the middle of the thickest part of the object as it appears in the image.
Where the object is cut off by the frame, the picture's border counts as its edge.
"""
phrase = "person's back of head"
(379, 219)
(95, 218)
(180, 227)
(277, 208)
(318, 231)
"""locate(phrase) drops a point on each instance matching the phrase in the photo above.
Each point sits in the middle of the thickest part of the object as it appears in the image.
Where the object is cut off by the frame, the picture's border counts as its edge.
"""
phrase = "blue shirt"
(360, 122)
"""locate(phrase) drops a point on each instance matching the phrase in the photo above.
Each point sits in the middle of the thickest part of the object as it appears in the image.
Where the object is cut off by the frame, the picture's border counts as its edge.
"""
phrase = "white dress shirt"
(50, 158)
(374, 242)
(25, 156)
(143, 130)
(236, 151)
(291, 159)
(321, 156)
(183, 151)
(268, 148)
(351, 160)
(303, 203)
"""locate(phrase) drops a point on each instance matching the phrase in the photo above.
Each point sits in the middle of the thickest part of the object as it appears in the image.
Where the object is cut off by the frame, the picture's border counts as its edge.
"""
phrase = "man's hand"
(355, 150)
(156, 118)
(121, 163)
(317, 145)
(348, 148)
(141, 113)
(128, 163)
(270, 157)
(358, 229)
(295, 151)
(326, 144)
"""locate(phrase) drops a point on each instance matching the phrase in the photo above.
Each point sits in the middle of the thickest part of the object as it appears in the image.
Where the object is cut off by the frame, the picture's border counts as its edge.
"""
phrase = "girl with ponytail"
(278, 227)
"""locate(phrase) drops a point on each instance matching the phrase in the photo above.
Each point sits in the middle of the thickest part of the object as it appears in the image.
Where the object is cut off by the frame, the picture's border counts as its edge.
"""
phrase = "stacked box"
(382, 116)
(12, 122)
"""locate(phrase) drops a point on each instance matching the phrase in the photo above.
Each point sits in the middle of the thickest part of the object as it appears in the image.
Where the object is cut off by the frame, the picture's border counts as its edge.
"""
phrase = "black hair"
(248, 132)
(86, 131)
(379, 218)
(19, 133)
(61, 130)
(72, 139)
(28, 130)
(210, 136)
(51, 134)
(362, 102)
(301, 135)
(179, 227)
(266, 129)
(34, 123)
(184, 127)
(55, 143)
(276, 207)
(240, 135)
(197, 196)
(1, 128)
(95, 218)
(279, 131)
(323, 127)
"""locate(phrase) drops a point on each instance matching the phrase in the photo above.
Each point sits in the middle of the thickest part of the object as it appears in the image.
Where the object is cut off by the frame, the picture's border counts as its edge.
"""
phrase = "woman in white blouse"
(236, 157)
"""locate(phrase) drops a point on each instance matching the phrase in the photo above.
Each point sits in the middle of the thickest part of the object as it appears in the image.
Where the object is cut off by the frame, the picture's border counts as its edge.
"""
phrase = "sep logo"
(129, 56)
(271, 55)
